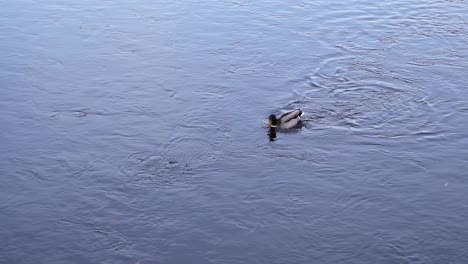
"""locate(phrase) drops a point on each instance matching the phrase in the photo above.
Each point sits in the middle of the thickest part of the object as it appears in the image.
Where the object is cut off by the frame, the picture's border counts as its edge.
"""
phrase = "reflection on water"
(272, 133)
(134, 132)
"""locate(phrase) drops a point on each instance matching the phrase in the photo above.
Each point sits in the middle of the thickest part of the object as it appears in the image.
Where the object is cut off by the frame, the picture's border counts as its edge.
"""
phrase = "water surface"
(135, 131)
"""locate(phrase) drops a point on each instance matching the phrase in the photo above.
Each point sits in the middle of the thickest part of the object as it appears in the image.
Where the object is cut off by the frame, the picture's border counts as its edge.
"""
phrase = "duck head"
(272, 122)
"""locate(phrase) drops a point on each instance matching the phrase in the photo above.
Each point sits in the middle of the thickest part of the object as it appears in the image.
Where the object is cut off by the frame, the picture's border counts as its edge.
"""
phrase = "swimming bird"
(287, 120)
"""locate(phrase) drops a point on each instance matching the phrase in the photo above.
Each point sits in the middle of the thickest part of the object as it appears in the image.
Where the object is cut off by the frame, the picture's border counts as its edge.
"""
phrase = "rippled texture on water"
(134, 131)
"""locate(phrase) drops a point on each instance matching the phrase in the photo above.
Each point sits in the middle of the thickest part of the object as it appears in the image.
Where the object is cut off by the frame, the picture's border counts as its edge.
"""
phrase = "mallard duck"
(287, 120)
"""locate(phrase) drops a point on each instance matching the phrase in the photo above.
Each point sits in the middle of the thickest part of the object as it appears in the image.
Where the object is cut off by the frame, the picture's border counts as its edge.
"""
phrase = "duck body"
(287, 120)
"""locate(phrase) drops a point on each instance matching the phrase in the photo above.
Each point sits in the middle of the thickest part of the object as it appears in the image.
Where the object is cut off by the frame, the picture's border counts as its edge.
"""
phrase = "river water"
(134, 131)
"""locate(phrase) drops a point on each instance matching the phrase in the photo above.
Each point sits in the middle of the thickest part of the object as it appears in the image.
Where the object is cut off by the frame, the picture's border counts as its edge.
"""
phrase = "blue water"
(134, 132)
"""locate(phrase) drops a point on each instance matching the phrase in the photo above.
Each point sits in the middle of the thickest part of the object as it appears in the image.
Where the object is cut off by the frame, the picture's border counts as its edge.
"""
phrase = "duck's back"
(291, 115)
(290, 119)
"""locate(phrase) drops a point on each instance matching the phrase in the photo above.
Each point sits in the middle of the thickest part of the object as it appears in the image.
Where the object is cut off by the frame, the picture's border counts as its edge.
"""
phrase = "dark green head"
(272, 122)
